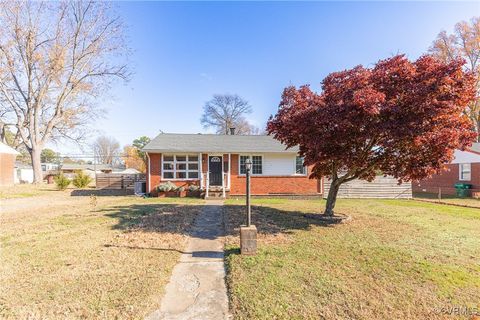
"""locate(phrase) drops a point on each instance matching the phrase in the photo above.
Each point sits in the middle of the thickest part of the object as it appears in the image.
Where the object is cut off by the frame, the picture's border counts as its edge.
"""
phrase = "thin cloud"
(206, 76)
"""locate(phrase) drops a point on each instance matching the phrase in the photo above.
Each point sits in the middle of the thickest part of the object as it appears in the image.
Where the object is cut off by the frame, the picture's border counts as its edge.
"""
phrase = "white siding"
(279, 164)
(24, 175)
(465, 157)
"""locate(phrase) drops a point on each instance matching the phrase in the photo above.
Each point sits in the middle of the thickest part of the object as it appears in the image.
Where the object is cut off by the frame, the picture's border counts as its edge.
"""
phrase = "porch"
(215, 179)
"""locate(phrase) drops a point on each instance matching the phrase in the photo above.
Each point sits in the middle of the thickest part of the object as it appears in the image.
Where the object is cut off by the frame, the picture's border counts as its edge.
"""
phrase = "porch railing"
(206, 177)
(223, 184)
(207, 184)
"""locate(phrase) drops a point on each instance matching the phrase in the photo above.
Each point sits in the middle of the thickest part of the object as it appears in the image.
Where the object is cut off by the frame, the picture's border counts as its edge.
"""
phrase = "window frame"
(175, 163)
(249, 156)
(305, 169)
(461, 172)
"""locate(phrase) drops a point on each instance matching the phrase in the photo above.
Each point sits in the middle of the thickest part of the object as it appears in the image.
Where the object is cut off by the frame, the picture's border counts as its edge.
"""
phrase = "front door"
(215, 170)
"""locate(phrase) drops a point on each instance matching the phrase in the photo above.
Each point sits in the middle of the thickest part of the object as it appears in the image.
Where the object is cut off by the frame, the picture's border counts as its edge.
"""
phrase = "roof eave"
(213, 151)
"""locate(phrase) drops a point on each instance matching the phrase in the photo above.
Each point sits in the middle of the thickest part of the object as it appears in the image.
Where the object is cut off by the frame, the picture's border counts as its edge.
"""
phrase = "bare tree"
(463, 43)
(106, 149)
(227, 111)
(56, 60)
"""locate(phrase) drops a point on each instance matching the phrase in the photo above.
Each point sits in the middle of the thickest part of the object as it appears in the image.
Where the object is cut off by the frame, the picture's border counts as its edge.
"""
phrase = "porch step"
(215, 188)
(214, 194)
(214, 198)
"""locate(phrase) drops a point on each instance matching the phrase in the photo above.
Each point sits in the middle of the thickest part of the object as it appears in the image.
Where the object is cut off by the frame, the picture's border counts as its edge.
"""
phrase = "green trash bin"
(462, 189)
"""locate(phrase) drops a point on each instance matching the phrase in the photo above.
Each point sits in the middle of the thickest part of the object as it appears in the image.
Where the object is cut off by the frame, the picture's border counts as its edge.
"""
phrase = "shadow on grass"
(100, 192)
(179, 219)
(195, 254)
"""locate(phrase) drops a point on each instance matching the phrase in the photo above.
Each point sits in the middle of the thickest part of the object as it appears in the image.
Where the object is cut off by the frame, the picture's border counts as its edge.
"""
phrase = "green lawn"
(397, 259)
(65, 258)
(470, 202)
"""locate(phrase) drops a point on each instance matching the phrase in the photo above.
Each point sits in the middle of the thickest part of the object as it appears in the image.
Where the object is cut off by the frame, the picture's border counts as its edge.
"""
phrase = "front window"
(257, 164)
(465, 171)
(180, 167)
(299, 167)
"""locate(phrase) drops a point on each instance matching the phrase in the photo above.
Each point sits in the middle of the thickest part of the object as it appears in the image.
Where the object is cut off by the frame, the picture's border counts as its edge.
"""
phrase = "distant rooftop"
(7, 149)
(475, 147)
(176, 142)
(78, 166)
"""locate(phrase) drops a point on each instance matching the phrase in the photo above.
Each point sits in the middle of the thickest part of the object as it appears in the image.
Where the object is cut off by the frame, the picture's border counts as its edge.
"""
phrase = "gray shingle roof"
(173, 142)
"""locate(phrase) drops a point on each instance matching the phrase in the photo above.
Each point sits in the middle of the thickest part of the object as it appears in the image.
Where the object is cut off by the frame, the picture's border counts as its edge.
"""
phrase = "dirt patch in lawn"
(273, 226)
(70, 260)
(25, 190)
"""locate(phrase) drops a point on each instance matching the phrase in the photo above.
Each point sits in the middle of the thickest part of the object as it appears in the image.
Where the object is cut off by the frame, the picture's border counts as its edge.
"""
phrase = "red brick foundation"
(261, 185)
(272, 185)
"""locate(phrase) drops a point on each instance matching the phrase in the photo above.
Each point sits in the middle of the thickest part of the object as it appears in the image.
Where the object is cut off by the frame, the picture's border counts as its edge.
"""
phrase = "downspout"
(148, 173)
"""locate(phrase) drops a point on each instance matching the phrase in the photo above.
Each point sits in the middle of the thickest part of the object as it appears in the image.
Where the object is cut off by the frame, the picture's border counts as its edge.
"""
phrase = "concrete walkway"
(197, 286)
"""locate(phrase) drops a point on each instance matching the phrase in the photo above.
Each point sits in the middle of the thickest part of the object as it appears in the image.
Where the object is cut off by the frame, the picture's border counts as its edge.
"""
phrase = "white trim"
(460, 171)
(250, 155)
(200, 169)
(174, 155)
(229, 168)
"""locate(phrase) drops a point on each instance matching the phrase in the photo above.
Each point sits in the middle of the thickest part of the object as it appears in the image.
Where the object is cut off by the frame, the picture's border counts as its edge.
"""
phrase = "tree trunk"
(36, 164)
(332, 198)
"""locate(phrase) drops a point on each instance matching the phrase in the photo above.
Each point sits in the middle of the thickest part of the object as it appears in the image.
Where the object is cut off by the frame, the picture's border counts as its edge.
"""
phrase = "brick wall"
(446, 181)
(264, 185)
(261, 185)
(156, 173)
(7, 165)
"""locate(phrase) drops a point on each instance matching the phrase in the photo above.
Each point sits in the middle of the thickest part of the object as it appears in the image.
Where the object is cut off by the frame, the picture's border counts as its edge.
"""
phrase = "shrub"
(193, 188)
(166, 186)
(181, 189)
(81, 180)
(61, 181)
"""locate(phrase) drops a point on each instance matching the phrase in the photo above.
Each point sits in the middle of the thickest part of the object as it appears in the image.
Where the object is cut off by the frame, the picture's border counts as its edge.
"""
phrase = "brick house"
(217, 162)
(7, 164)
(465, 168)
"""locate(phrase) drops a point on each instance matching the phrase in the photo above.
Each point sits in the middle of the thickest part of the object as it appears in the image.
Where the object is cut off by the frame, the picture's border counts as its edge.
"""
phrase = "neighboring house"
(218, 162)
(7, 164)
(127, 171)
(23, 173)
(465, 168)
(69, 169)
(47, 166)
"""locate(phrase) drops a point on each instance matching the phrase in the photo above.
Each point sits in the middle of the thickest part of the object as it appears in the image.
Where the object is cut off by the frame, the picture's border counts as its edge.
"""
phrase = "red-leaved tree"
(400, 118)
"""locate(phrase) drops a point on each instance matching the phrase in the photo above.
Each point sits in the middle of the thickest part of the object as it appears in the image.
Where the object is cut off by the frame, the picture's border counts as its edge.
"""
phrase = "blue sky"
(183, 53)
